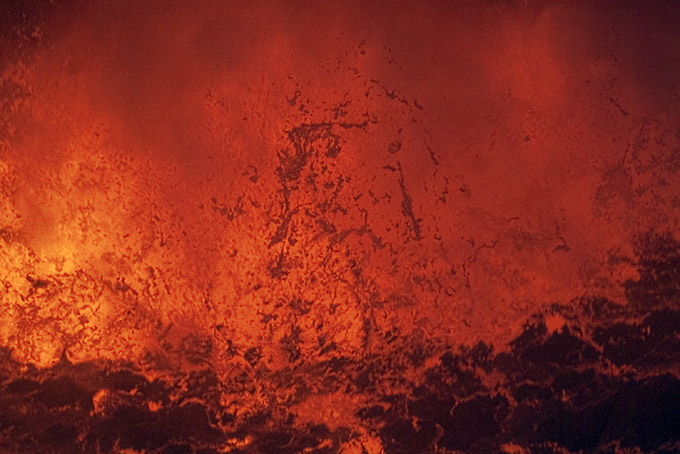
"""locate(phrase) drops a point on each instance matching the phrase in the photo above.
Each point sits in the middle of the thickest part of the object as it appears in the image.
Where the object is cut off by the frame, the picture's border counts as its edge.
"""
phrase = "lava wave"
(364, 228)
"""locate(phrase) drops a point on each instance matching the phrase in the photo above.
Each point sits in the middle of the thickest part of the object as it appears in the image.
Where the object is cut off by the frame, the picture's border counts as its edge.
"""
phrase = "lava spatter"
(347, 228)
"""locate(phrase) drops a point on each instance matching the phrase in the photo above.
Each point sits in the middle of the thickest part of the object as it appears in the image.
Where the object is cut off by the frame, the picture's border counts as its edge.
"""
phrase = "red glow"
(256, 189)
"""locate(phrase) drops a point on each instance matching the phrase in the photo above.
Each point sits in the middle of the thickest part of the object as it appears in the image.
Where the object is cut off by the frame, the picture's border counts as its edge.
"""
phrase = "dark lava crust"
(605, 382)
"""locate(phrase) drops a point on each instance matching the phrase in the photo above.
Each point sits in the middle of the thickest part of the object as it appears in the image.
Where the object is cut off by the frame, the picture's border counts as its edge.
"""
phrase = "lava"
(355, 227)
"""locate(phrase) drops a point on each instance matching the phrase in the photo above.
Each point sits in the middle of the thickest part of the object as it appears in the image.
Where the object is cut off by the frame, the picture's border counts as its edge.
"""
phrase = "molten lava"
(339, 228)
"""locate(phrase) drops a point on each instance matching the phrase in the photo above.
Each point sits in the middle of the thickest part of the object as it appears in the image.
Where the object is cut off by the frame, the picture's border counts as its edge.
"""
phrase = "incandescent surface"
(352, 227)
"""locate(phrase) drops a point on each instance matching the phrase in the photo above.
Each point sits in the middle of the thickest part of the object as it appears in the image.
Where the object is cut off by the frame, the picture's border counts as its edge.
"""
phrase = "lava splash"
(339, 228)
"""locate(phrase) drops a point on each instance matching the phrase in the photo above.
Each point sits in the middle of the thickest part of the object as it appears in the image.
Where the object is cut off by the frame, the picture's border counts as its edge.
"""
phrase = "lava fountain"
(288, 227)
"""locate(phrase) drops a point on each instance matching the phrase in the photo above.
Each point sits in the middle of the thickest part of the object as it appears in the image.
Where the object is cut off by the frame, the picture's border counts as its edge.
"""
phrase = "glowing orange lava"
(282, 193)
